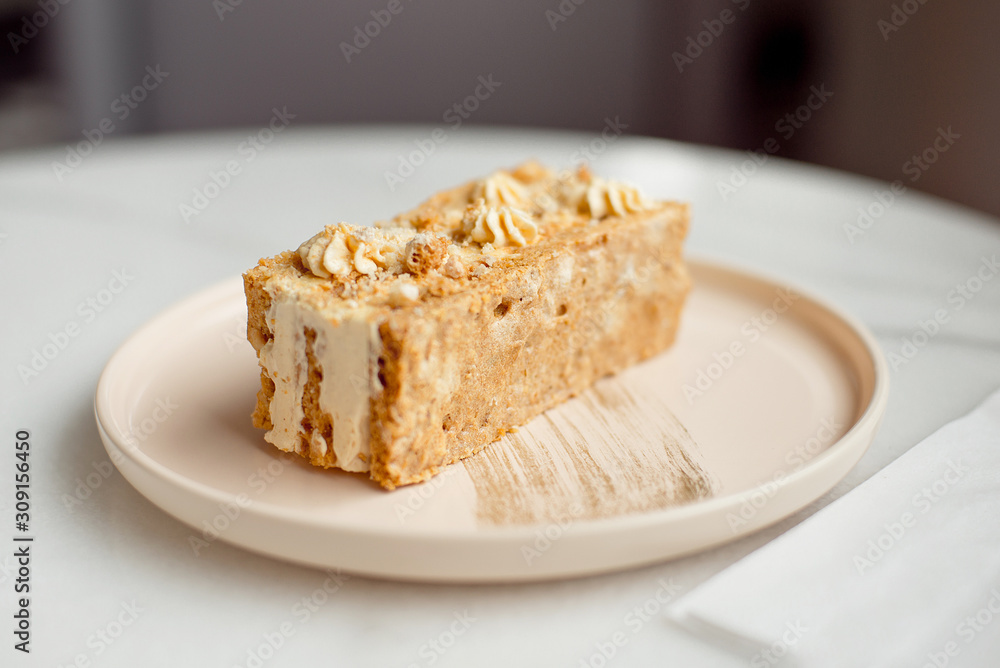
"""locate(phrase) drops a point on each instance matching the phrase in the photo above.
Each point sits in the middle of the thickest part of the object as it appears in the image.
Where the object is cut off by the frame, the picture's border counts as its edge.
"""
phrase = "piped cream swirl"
(500, 188)
(614, 198)
(499, 225)
(342, 249)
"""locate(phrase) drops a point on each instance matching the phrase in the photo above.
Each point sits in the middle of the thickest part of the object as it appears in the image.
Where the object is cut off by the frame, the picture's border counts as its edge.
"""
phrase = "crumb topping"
(459, 233)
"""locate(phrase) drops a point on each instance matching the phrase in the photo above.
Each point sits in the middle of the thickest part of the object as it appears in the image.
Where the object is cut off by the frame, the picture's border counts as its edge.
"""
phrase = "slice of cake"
(401, 348)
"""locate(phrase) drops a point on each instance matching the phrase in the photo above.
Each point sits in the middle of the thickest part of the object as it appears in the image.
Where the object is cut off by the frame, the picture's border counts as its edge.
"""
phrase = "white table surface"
(62, 241)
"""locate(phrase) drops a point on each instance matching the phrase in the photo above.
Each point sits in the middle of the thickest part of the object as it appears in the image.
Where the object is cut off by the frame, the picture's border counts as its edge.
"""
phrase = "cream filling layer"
(346, 352)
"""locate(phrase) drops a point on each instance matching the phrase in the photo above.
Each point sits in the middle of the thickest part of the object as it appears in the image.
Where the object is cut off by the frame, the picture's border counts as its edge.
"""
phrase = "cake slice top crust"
(458, 236)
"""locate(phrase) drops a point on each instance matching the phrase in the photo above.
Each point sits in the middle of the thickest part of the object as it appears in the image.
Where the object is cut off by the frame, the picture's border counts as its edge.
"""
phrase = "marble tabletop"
(95, 239)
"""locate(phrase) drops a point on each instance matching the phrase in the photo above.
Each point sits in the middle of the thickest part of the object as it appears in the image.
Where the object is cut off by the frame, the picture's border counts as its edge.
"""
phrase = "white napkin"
(902, 571)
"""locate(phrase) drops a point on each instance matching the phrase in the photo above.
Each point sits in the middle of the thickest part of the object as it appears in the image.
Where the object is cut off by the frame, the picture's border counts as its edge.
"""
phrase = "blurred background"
(894, 89)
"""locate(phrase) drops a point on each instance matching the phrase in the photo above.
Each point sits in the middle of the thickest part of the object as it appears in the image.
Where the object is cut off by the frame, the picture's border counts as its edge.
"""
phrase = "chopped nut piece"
(424, 253)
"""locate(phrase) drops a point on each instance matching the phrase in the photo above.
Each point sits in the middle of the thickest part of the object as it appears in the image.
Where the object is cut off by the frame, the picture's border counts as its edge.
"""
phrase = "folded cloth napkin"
(902, 571)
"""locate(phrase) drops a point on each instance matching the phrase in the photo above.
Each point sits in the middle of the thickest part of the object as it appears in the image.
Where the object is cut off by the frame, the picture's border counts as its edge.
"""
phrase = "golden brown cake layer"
(467, 339)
